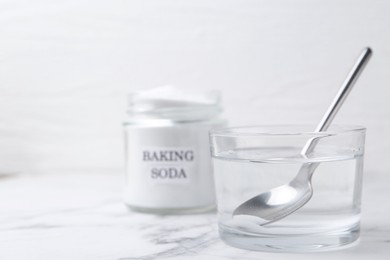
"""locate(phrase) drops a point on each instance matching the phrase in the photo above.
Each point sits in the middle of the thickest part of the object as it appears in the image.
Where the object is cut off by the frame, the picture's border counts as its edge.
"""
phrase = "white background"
(66, 67)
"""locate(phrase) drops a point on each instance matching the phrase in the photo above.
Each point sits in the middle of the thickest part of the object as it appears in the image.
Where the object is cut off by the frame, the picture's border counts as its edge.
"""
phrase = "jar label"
(169, 164)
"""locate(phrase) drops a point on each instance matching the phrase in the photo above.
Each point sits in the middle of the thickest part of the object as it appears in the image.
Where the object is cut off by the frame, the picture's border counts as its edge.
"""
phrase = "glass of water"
(249, 161)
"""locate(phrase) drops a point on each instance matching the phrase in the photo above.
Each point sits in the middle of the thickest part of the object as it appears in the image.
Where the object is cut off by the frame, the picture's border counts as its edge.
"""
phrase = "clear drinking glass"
(248, 161)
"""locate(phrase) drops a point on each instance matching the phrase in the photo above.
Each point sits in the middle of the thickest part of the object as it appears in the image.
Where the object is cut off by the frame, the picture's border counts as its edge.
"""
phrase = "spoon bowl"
(279, 202)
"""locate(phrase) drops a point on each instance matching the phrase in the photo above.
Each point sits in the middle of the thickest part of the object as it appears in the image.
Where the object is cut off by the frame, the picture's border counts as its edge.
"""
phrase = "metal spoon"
(281, 201)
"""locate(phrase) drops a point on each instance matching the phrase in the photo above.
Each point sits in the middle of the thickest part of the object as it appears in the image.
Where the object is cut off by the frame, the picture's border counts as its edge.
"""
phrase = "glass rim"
(269, 130)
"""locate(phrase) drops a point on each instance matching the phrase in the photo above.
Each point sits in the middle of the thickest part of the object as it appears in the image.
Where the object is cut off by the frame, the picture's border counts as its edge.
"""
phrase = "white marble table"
(81, 216)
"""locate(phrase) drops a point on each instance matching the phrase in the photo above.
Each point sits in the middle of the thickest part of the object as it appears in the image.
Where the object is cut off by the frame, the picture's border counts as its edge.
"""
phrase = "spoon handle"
(346, 87)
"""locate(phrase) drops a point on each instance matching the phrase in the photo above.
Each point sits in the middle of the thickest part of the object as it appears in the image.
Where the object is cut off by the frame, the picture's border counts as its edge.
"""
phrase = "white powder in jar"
(168, 164)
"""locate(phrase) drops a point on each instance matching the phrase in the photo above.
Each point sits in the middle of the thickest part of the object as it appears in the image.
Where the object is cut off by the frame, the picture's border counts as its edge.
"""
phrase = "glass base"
(172, 211)
(317, 242)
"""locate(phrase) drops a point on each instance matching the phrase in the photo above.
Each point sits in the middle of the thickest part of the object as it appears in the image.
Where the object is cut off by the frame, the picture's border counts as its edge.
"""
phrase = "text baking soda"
(168, 164)
(175, 155)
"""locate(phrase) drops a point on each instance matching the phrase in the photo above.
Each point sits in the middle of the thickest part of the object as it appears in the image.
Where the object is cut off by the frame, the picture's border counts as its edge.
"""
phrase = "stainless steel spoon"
(281, 201)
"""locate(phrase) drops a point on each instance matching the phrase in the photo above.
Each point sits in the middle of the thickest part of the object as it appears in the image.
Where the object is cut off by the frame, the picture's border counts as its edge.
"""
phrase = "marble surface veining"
(81, 216)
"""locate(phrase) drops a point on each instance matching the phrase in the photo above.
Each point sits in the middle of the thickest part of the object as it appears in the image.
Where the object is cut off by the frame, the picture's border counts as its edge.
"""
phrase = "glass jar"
(168, 163)
(266, 163)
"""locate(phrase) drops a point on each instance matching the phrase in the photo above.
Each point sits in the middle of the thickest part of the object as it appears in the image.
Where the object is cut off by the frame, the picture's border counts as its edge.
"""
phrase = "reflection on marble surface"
(81, 216)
